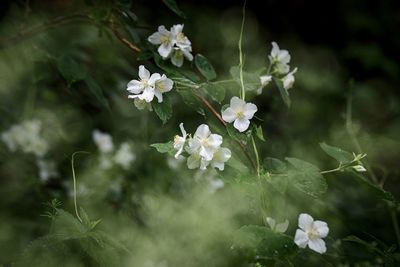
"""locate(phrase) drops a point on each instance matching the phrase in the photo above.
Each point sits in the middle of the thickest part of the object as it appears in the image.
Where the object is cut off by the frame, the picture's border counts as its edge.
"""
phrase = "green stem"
(257, 157)
(243, 92)
(74, 179)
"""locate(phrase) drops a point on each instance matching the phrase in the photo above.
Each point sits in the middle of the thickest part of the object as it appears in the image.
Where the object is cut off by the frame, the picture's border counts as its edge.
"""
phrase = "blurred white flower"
(47, 169)
(279, 59)
(179, 141)
(103, 141)
(165, 39)
(277, 227)
(240, 113)
(264, 80)
(216, 184)
(174, 163)
(221, 156)
(204, 142)
(288, 80)
(311, 233)
(105, 161)
(124, 156)
(26, 137)
(359, 168)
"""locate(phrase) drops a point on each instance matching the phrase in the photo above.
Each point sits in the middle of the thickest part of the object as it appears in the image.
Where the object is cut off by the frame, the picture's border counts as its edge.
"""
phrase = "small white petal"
(265, 80)
(135, 87)
(147, 95)
(229, 115)
(153, 79)
(301, 238)
(214, 140)
(249, 110)
(158, 95)
(241, 124)
(144, 74)
(305, 221)
(322, 228)
(271, 222)
(193, 161)
(177, 59)
(203, 131)
(165, 50)
(155, 38)
(282, 227)
(317, 245)
(237, 104)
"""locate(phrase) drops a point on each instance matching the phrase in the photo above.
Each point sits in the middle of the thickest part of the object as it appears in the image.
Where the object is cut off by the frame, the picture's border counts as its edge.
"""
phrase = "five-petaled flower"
(239, 112)
(311, 233)
(280, 59)
(149, 86)
(204, 142)
(165, 39)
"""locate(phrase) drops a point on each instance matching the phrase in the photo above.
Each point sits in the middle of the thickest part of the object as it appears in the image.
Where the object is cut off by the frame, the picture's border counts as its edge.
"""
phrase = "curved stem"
(74, 179)
(243, 91)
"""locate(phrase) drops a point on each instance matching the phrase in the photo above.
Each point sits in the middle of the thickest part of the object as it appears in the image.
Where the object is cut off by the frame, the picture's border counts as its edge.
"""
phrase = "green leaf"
(205, 67)
(278, 182)
(164, 147)
(192, 101)
(274, 165)
(259, 133)
(163, 109)
(251, 81)
(96, 91)
(65, 226)
(306, 177)
(70, 70)
(171, 4)
(283, 91)
(339, 154)
(215, 91)
(265, 242)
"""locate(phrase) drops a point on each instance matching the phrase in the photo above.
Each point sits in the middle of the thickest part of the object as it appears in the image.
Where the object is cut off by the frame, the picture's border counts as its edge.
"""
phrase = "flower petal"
(301, 238)
(203, 131)
(135, 87)
(241, 124)
(165, 49)
(249, 110)
(282, 227)
(155, 38)
(214, 140)
(177, 59)
(229, 115)
(317, 245)
(159, 96)
(193, 161)
(144, 74)
(237, 104)
(322, 228)
(305, 221)
(153, 79)
(147, 95)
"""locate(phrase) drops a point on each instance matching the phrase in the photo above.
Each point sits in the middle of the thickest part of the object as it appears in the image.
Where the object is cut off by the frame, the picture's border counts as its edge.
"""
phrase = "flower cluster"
(239, 112)
(204, 148)
(123, 156)
(279, 63)
(149, 86)
(173, 44)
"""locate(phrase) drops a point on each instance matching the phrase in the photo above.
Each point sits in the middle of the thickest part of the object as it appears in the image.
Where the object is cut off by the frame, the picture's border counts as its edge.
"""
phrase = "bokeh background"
(165, 214)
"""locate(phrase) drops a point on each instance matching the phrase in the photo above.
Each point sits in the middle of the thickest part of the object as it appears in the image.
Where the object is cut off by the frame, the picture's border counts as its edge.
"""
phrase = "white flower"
(221, 156)
(215, 185)
(204, 142)
(288, 80)
(240, 113)
(162, 85)
(179, 37)
(26, 137)
(179, 141)
(165, 39)
(149, 86)
(311, 233)
(277, 227)
(124, 155)
(47, 169)
(103, 141)
(178, 55)
(264, 80)
(143, 89)
(280, 59)
(359, 168)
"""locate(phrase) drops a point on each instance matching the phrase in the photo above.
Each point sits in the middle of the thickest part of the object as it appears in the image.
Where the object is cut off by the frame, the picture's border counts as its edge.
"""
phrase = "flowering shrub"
(217, 195)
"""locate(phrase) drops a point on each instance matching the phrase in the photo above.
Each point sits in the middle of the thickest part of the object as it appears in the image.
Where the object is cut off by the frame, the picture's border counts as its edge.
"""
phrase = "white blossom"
(124, 155)
(264, 80)
(311, 233)
(179, 37)
(204, 142)
(221, 156)
(277, 227)
(149, 86)
(288, 80)
(26, 137)
(359, 168)
(195, 161)
(103, 141)
(240, 113)
(179, 141)
(47, 169)
(215, 185)
(165, 39)
(279, 59)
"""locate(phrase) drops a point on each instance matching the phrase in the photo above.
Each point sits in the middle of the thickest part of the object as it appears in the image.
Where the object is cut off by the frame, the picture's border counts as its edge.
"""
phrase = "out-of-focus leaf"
(96, 91)
(205, 67)
(259, 133)
(192, 101)
(274, 165)
(284, 93)
(337, 153)
(306, 177)
(70, 70)
(215, 91)
(163, 109)
(171, 4)
(164, 147)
